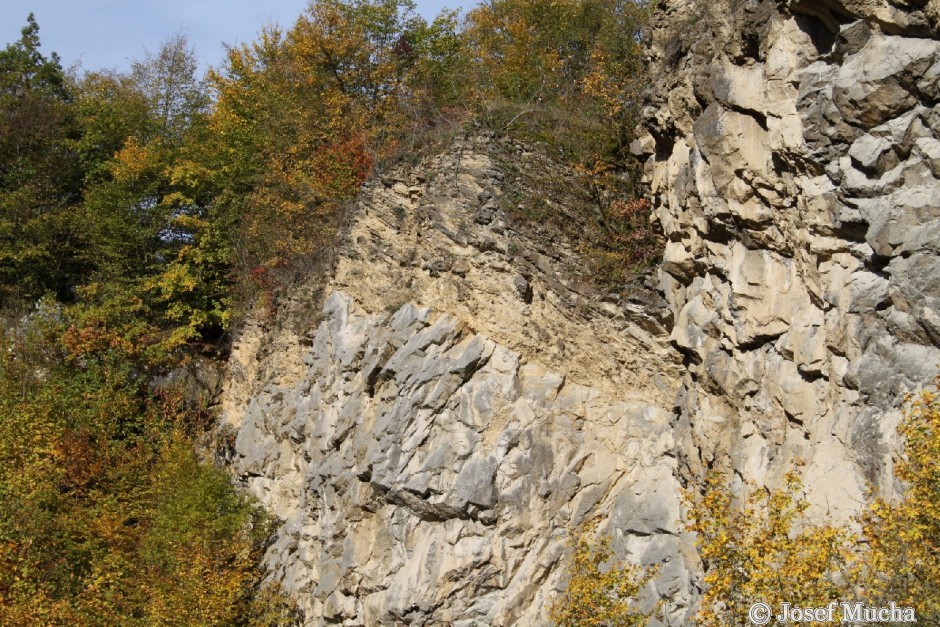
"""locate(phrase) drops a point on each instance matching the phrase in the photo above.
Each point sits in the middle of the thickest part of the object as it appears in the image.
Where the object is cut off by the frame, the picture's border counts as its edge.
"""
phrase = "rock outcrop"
(454, 414)
(454, 405)
(793, 165)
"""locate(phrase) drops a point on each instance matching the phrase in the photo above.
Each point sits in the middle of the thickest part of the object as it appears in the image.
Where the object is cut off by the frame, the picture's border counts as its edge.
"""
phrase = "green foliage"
(188, 203)
(106, 513)
(601, 591)
(302, 117)
(153, 244)
(144, 210)
(110, 108)
(167, 79)
(576, 62)
(40, 180)
(98, 188)
(567, 76)
(25, 70)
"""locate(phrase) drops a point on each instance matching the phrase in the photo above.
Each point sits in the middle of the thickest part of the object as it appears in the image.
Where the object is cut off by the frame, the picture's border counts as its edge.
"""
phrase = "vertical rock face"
(794, 165)
(454, 405)
(453, 414)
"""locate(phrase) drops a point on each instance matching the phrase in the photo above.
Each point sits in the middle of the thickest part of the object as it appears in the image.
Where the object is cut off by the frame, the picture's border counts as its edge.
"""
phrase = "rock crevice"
(790, 164)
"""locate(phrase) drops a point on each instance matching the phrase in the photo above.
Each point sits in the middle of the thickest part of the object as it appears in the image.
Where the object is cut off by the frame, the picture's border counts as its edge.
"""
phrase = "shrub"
(764, 551)
(902, 559)
(601, 591)
(107, 515)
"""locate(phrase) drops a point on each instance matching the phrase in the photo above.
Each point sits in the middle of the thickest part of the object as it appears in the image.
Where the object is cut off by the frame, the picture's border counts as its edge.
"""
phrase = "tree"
(302, 117)
(24, 70)
(902, 562)
(580, 55)
(40, 177)
(764, 551)
(168, 80)
(768, 551)
(110, 108)
(159, 277)
(107, 513)
(568, 75)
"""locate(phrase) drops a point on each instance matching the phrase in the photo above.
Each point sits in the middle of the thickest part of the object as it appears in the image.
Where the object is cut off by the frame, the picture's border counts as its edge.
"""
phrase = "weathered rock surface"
(456, 413)
(792, 162)
(455, 404)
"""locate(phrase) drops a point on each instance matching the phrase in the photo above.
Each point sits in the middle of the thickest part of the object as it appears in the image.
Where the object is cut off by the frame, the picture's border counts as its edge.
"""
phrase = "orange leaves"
(630, 208)
(555, 51)
(508, 61)
(301, 118)
(345, 164)
(82, 459)
(89, 340)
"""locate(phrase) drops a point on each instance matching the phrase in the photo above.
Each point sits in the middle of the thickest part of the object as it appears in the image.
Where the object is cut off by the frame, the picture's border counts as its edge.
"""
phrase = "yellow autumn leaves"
(765, 549)
(601, 591)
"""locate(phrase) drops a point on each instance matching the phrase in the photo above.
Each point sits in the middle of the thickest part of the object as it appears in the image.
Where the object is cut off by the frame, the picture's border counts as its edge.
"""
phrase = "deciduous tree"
(40, 178)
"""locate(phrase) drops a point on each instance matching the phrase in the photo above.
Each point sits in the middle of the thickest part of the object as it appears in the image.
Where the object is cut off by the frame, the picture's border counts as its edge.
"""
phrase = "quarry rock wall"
(458, 407)
(792, 158)
(452, 403)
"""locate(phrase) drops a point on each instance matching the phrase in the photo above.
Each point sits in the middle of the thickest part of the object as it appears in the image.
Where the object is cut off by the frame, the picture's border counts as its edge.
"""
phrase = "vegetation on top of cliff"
(184, 198)
(141, 214)
(565, 79)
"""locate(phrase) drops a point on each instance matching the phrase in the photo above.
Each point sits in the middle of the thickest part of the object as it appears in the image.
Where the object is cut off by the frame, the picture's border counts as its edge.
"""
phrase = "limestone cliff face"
(453, 413)
(794, 160)
(451, 402)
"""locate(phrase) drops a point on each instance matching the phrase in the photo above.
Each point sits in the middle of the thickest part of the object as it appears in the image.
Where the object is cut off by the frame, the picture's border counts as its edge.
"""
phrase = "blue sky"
(108, 33)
